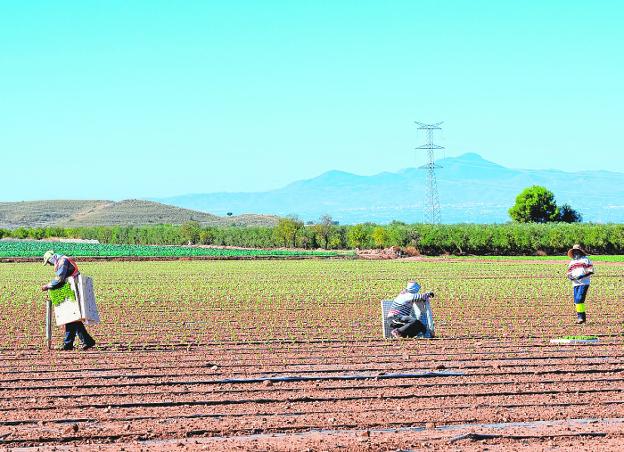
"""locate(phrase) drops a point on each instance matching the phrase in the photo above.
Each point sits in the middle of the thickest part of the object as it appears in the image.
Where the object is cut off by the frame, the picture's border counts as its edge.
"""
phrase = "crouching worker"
(406, 311)
(64, 267)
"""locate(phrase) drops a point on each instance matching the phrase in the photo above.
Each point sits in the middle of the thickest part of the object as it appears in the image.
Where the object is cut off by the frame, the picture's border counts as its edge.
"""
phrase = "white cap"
(412, 287)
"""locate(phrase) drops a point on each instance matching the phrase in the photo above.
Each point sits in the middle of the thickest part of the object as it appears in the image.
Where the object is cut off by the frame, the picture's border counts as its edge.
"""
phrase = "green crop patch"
(317, 300)
(580, 338)
(61, 294)
(30, 249)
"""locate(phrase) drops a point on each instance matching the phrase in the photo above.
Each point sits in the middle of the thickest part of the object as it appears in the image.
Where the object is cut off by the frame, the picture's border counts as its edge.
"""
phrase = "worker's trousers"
(71, 329)
(580, 293)
(407, 325)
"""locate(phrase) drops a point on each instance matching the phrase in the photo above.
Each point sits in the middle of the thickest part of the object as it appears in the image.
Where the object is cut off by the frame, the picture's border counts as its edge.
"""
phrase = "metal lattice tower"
(433, 199)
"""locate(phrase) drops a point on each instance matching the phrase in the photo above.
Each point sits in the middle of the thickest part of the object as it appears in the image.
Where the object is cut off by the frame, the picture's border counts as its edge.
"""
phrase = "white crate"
(83, 309)
(385, 327)
(67, 312)
(426, 317)
(86, 295)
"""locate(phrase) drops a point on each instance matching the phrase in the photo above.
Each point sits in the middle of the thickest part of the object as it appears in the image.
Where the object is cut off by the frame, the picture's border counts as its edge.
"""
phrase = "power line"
(433, 198)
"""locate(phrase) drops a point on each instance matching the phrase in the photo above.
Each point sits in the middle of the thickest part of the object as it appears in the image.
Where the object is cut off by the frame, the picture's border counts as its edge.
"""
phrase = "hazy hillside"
(471, 190)
(109, 213)
(43, 213)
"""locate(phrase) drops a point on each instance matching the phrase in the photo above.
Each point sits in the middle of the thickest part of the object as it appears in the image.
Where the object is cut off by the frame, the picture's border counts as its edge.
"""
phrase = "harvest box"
(75, 301)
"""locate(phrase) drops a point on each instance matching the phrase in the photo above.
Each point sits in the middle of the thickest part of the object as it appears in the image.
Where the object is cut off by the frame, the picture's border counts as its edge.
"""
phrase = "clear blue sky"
(131, 99)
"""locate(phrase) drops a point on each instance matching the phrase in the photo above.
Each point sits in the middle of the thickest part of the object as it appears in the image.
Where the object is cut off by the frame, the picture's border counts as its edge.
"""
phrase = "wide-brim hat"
(412, 287)
(576, 248)
(47, 256)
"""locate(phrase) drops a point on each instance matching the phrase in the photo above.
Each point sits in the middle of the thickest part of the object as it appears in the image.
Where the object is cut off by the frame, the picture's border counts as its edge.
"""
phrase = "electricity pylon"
(432, 197)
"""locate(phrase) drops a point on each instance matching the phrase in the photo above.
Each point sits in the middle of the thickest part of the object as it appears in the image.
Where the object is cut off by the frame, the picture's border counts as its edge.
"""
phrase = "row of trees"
(502, 239)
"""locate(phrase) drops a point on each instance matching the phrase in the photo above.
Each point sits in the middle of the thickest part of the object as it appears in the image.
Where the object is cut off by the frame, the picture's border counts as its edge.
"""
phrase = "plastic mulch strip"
(580, 338)
(380, 376)
(575, 340)
(61, 294)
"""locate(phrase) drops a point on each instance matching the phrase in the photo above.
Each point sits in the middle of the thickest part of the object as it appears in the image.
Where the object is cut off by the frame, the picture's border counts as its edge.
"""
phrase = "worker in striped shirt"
(401, 314)
(580, 269)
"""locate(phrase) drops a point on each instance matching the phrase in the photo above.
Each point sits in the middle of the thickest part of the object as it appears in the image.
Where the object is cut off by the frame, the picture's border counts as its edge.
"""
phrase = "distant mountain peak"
(327, 178)
(472, 189)
(333, 174)
(471, 158)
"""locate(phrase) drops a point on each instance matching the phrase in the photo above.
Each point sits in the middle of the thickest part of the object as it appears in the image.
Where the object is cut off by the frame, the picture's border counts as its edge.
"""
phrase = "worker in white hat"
(579, 271)
(64, 267)
(401, 314)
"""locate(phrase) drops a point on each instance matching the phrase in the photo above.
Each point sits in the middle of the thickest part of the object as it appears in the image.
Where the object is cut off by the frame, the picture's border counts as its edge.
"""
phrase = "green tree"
(20, 233)
(568, 215)
(380, 236)
(308, 238)
(324, 230)
(358, 236)
(206, 236)
(535, 204)
(287, 230)
(190, 232)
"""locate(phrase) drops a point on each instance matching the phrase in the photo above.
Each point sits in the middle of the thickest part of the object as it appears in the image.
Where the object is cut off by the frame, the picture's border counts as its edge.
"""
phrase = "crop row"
(182, 302)
(26, 249)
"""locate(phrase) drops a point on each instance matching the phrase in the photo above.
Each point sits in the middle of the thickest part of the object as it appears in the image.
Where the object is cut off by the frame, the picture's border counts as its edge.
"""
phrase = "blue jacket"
(64, 269)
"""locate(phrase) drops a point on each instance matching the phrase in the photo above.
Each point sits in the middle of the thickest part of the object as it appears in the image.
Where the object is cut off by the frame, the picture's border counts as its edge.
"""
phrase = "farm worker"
(400, 316)
(65, 267)
(580, 269)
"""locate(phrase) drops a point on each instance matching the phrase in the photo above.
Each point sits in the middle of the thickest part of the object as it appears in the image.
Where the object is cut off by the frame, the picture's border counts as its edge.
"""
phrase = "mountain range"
(471, 190)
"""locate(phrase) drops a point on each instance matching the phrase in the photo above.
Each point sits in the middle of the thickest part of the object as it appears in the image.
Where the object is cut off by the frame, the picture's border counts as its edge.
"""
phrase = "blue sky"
(129, 99)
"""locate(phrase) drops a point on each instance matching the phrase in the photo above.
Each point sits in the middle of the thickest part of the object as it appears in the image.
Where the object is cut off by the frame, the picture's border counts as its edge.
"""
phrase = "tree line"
(459, 239)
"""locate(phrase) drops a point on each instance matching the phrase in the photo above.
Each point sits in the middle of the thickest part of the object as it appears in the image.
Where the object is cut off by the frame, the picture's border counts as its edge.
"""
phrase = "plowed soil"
(472, 388)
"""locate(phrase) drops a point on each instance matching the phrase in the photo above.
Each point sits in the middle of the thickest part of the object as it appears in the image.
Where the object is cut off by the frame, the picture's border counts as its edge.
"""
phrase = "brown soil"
(217, 377)
(382, 395)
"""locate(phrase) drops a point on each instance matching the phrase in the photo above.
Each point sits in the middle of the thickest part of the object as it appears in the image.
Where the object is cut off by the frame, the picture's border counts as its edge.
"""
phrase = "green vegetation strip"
(580, 338)
(61, 294)
(28, 249)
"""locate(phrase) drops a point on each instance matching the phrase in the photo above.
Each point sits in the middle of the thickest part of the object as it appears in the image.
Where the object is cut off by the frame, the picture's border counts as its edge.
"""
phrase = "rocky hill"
(109, 213)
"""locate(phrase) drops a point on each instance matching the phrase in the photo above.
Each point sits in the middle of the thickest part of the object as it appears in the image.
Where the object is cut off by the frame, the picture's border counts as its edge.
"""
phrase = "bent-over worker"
(400, 316)
(64, 267)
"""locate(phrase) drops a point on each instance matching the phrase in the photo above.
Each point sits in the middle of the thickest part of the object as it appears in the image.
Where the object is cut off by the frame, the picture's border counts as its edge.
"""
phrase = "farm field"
(287, 355)
(35, 249)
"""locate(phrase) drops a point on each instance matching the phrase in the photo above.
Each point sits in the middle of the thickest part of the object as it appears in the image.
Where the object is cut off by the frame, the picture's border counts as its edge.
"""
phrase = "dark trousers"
(407, 325)
(71, 329)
